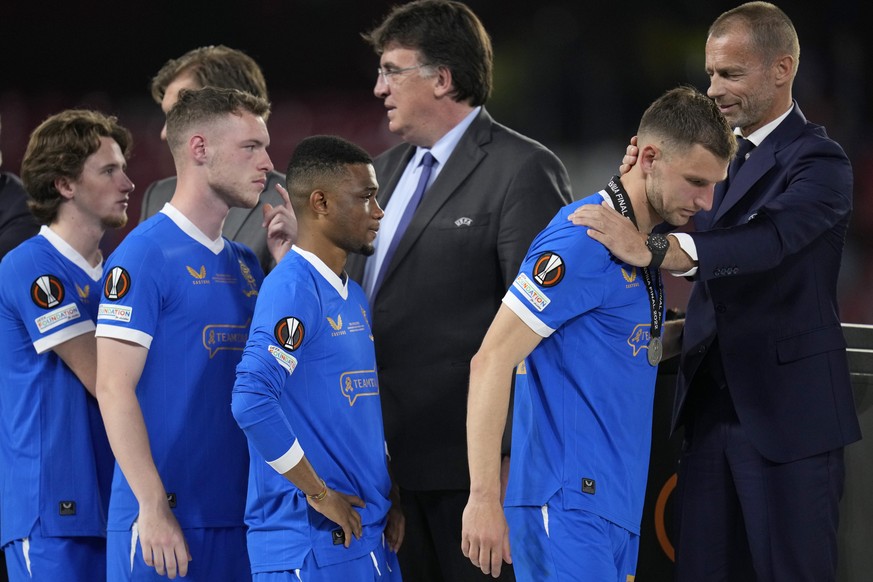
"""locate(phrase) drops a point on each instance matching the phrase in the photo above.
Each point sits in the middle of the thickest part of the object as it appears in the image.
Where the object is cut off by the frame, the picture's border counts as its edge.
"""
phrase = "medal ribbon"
(654, 285)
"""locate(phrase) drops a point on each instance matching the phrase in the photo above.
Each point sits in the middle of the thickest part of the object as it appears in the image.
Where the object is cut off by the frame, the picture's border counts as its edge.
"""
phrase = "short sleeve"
(560, 278)
(40, 289)
(132, 293)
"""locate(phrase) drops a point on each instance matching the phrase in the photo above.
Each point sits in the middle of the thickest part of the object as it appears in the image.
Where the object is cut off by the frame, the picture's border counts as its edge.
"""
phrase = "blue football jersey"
(189, 300)
(55, 461)
(307, 384)
(583, 416)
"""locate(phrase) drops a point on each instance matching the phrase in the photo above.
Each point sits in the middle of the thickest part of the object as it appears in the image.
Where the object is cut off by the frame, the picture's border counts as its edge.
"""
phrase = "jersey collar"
(341, 284)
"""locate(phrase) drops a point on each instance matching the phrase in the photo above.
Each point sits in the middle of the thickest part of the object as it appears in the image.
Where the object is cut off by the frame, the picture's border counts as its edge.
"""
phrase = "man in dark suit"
(488, 192)
(763, 388)
(225, 68)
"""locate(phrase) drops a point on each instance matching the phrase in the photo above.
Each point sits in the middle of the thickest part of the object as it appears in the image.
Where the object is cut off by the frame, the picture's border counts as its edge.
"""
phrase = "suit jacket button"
(721, 308)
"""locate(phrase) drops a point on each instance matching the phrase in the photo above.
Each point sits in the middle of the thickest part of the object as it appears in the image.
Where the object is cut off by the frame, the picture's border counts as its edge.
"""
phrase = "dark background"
(575, 75)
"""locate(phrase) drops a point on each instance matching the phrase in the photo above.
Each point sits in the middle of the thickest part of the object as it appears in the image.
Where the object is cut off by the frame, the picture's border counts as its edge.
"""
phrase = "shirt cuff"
(686, 243)
(289, 460)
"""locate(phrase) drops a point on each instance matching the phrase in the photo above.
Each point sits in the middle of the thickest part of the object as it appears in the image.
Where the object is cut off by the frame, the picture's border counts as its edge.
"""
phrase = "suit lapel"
(386, 190)
(761, 160)
(463, 160)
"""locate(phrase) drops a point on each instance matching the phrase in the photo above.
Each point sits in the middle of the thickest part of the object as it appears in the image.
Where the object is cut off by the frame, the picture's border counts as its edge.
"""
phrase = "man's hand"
(281, 225)
(485, 535)
(614, 231)
(395, 528)
(339, 508)
(630, 157)
(163, 545)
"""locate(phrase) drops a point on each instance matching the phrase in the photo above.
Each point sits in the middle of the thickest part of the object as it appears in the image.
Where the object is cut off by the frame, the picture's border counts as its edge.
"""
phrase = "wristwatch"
(657, 245)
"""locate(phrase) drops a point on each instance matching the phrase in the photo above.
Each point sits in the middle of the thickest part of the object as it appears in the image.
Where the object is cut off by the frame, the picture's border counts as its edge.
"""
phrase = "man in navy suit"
(763, 388)
(487, 191)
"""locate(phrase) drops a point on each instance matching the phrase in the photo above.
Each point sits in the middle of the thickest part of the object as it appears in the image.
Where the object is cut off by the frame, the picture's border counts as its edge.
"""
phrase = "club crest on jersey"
(249, 278)
(117, 284)
(289, 332)
(548, 269)
(366, 321)
(47, 291)
(639, 338)
(359, 383)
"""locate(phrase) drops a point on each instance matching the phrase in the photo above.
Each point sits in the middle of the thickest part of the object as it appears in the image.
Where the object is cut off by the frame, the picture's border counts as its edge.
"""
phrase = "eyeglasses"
(388, 73)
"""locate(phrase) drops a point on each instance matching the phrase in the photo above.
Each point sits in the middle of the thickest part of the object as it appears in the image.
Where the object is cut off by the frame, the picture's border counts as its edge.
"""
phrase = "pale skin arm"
(485, 535)
(281, 224)
(119, 367)
(621, 237)
(80, 355)
(336, 506)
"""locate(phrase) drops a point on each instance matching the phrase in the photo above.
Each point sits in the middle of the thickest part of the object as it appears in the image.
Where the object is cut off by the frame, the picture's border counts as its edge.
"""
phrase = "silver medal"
(656, 350)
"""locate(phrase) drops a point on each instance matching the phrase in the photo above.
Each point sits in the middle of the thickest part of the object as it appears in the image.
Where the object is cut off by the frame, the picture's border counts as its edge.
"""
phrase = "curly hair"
(58, 148)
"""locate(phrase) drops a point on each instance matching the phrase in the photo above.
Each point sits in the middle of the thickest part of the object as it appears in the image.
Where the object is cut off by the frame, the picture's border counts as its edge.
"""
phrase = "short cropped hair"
(318, 162)
(771, 31)
(683, 117)
(213, 66)
(58, 148)
(205, 105)
(446, 33)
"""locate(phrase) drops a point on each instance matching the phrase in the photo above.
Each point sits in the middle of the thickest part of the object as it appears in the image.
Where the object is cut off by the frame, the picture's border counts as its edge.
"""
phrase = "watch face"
(657, 242)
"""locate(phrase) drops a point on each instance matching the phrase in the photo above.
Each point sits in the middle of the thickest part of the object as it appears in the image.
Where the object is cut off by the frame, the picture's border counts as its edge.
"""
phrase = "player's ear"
(318, 202)
(64, 187)
(648, 154)
(197, 147)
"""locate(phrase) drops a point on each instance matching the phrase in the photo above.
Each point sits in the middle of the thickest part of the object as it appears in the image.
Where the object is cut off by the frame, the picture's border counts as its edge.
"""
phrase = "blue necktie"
(427, 162)
(742, 154)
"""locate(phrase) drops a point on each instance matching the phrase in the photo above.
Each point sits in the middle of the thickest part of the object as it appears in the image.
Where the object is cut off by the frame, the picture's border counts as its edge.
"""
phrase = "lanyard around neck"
(654, 285)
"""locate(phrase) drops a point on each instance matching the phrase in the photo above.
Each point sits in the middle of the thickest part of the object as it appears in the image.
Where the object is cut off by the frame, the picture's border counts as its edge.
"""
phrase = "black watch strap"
(657, 245)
